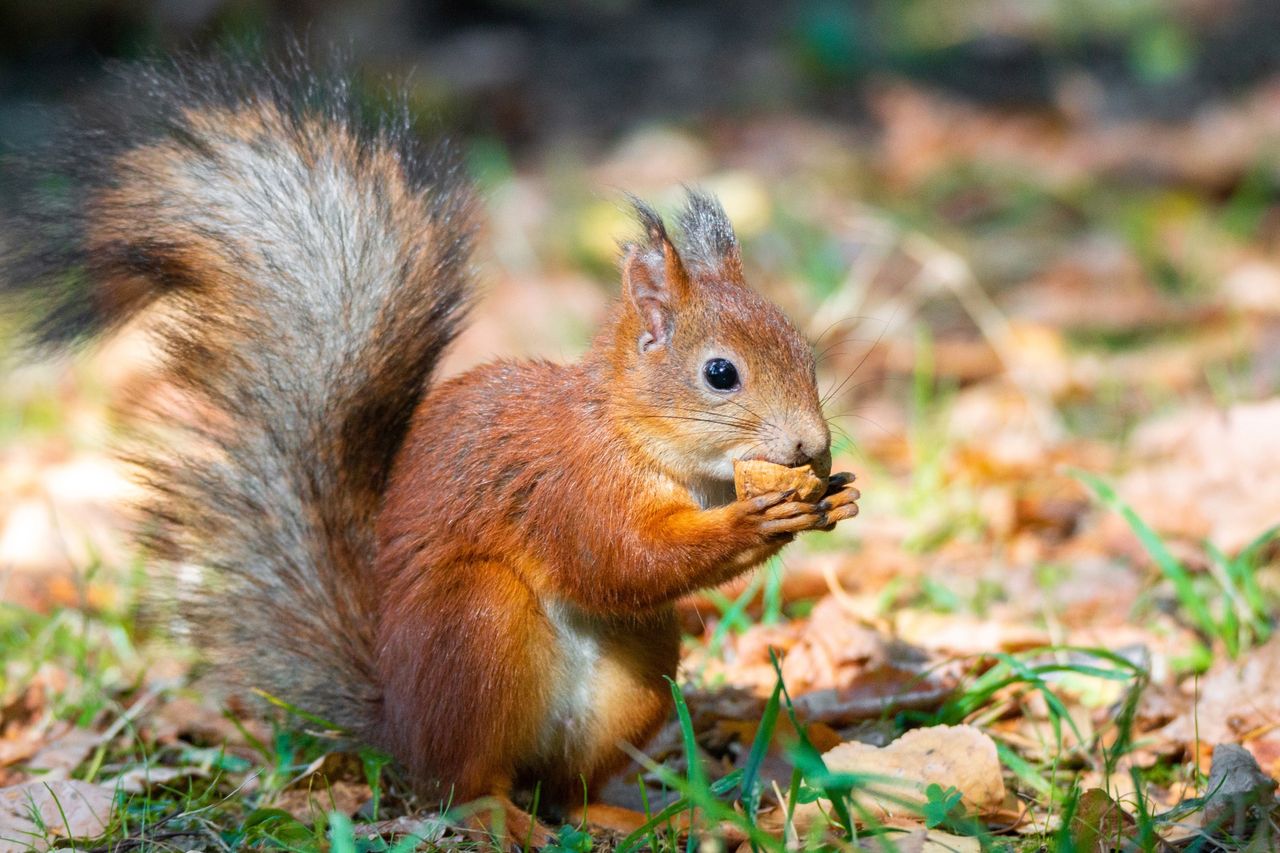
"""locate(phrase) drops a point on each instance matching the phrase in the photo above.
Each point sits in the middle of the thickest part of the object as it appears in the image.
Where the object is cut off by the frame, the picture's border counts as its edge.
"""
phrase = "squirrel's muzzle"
(793, 447)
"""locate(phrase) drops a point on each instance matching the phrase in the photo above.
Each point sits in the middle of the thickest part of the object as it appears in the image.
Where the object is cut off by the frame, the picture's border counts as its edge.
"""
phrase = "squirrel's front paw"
(777, 514)
(840, 501)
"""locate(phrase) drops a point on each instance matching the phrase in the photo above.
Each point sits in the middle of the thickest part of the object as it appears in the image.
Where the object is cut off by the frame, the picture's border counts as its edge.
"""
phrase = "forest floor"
(1056, 344)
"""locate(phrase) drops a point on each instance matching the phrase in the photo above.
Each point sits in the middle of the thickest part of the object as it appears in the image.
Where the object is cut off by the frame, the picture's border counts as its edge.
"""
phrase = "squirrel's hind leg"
(462, 657)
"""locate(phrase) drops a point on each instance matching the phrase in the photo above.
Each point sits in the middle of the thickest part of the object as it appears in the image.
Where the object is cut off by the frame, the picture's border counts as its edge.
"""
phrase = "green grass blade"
(771, 598)
(733, 614)
(751, 788)
(697, 779)
(806, 750)
(1244, 570)
(342, 835)
(645, 830)
(1169, 566)
(695, 797)
(1023, 769)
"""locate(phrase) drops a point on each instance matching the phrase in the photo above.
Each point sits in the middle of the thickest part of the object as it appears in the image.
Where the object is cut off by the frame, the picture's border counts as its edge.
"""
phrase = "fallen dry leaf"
(1266, 751)
(306, 804)
(959, 757)
(1232, 498)
(965, 635)
(63, 753)
(1235, 700)
(200, 721)
(27, 707)
(1099, 824)
(925, 133)
(34, 814)
(140, 779)
(26, 720)
(1239, 794)
(928, 841)
(838, 669)
(428, 828)
(876, 693)
(333, 782)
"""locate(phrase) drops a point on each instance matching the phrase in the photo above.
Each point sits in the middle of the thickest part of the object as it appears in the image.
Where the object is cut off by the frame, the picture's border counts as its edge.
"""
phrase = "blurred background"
(1029, 238)
(1011, 227)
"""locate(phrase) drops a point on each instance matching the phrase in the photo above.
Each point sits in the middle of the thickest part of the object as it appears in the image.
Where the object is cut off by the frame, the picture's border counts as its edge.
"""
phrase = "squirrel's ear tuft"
(709, 241)
(654, 280)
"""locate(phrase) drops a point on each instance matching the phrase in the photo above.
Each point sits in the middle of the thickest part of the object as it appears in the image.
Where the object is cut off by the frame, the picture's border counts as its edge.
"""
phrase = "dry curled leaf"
(1239, 793)
(334, 782)
(306, 804)
(34, 814)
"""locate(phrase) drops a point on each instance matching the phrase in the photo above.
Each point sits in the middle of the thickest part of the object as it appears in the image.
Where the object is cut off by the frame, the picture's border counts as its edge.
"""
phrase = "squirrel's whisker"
(830, 394)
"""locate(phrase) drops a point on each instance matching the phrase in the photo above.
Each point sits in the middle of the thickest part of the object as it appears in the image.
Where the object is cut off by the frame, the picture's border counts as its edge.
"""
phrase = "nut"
(753, 477)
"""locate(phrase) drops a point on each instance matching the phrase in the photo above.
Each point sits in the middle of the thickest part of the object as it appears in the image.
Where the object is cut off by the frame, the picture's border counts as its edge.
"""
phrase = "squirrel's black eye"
(720, 374)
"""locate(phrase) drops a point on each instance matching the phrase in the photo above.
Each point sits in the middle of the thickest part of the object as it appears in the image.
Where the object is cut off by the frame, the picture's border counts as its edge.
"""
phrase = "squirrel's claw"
(836, 482)
(840, 501)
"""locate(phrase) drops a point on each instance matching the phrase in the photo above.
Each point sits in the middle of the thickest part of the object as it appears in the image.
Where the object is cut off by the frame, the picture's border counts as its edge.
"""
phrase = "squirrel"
(475, 575)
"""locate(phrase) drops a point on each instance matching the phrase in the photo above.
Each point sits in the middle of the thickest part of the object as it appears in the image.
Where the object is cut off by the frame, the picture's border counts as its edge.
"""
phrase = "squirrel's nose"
(801, 456)
(811, 449)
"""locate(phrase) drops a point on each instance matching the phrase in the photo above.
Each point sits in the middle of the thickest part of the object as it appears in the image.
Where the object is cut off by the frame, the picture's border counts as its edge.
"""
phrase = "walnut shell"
(752, 477)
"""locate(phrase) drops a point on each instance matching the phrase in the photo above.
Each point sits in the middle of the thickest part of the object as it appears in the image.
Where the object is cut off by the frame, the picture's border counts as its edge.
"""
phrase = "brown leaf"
(430, 828)
(1266, 751)
(951, 756)
(307, 803)
(966, 635)
(27, 707)
(834, 648)
(63, 753)
(1236, 700)
(1231, 498)
(1239, 793)
(26, 720)
(876, 692)
(1099, 824)
(35, 813)
(927, 841)
(199, 721)
(333, 782)
(333, 767)
(139, 779)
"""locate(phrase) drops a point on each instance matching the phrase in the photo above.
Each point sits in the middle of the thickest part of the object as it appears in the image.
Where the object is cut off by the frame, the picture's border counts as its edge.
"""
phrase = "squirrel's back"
(310, 266)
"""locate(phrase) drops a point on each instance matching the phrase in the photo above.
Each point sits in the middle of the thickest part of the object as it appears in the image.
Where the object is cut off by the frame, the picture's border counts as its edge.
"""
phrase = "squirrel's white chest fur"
(712, 493)
(573, 693)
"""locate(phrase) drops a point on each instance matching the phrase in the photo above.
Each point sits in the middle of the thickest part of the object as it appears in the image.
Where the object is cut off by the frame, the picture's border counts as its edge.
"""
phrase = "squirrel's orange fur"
(527, 495)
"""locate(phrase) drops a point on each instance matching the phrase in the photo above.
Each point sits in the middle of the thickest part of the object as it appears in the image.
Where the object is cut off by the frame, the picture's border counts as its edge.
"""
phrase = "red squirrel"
(476, 575)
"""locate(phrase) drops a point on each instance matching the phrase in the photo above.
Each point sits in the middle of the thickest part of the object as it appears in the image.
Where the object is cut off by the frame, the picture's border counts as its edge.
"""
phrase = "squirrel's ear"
(654, 281)
(710, 244)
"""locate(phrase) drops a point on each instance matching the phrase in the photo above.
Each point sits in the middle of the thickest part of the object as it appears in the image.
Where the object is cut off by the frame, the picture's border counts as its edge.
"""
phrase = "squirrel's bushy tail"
(308, 268)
